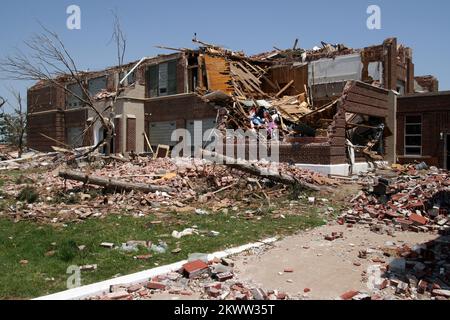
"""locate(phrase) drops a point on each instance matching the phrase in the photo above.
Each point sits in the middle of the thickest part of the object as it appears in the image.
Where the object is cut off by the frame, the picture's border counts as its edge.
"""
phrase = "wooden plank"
(250, 75)
(284, 88)
(243, 79)
(218, 75)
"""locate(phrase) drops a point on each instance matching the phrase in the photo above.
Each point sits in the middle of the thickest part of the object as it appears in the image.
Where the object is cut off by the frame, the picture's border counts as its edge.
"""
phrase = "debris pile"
(144, 186)
(414, 200)
(214, 280)
(248, 98)
(419, 272)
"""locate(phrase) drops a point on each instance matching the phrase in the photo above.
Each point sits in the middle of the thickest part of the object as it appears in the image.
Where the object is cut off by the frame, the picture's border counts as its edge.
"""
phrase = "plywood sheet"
(218, 74)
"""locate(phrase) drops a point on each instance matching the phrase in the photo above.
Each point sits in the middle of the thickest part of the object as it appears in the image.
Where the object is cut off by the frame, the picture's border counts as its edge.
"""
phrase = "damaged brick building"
(338, 93)
(423, 121)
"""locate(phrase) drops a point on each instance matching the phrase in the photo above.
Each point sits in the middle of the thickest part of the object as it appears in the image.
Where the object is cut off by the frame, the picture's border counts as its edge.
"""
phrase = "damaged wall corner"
(391, 125)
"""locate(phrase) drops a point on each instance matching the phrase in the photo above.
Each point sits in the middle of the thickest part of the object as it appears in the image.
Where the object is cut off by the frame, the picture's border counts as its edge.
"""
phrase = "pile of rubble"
(246, 97)
(212, 280)
(181, 185)
(420, 272)
(416, 200)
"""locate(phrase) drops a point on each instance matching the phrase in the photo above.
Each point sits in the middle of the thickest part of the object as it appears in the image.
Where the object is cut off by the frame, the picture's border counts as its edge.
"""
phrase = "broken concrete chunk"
(88, 267)
(227, 262)
(398, 265)
(441, 292)
(258, 294)
(108, 245)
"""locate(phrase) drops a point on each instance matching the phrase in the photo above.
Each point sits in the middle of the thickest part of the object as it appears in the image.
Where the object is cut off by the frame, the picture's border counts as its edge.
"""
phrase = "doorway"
(101, 135)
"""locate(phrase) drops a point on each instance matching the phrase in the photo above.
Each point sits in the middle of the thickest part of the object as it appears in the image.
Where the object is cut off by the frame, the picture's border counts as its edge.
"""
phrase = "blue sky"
(252, 26)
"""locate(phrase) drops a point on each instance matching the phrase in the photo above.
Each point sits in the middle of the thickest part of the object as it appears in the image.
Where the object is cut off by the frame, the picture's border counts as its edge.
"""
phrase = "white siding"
(197, 128)
(342, 68)
(161, 132)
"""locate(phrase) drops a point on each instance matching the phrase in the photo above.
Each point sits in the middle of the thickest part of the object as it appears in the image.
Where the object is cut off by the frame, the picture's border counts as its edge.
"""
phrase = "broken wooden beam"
(112, 183)
(247, 167)
(285, 88)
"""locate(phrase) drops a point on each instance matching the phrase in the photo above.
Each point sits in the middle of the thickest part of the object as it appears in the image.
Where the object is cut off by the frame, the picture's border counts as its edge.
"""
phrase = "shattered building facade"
(335, 105)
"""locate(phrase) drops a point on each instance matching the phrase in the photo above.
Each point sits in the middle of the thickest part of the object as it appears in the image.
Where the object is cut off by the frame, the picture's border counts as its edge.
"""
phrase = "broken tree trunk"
(112, 183)
(260, 172)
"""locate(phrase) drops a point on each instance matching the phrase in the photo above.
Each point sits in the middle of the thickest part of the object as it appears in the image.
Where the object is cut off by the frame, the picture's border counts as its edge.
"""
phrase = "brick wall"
(50, 124)
(429, 83)
(76, 117)
(435, 112)
(178, 108)
(45, 99)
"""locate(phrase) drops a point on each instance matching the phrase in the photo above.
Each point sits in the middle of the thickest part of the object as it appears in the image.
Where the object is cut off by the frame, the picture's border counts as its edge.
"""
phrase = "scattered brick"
(195, 268)
(224, 276)
(418, 219)
(155, 285)
(349, 295)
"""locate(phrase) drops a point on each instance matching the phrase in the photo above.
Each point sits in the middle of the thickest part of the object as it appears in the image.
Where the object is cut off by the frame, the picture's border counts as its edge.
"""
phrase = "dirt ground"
(324, 267)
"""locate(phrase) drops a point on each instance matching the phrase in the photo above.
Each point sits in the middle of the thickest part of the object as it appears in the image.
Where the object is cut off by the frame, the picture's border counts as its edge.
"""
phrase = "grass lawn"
(47, 274)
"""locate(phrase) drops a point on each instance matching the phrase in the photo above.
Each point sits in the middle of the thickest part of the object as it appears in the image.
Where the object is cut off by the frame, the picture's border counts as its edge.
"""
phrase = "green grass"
(29, 241)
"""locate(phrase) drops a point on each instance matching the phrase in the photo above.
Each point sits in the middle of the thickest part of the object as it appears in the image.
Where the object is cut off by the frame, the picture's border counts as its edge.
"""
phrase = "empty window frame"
(413, 135)
(72, 101)
(96, 85)
(131, 79)
(162, 79)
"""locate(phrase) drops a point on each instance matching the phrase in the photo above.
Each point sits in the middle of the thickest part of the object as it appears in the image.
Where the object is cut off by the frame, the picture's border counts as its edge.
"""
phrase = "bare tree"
(119, 39)
(49, 61)
(14, 124)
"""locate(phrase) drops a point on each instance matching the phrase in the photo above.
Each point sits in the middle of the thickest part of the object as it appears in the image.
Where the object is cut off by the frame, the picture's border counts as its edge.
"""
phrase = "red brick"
(281, 296)
(224, 276)
(213, 292)
(143, 293)
(349, 295)
(422, 286)
(417, 219)
(155, 285)
(194, 268)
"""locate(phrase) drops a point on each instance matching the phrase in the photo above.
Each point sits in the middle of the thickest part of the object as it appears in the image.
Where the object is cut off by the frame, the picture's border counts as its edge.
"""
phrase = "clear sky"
(249, 25)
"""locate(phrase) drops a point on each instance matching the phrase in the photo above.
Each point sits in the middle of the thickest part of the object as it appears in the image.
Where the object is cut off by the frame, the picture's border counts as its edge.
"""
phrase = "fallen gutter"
(134, 68)
(103, 287)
